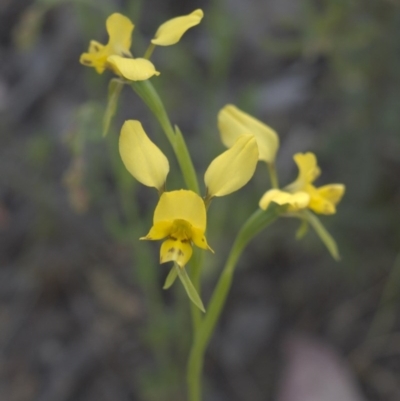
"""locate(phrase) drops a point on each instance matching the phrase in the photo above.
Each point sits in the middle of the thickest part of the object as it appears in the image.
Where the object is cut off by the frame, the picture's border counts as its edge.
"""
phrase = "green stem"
(256, 222)
(272, 175)
(149, 51)
(197, 264)
(149, 95)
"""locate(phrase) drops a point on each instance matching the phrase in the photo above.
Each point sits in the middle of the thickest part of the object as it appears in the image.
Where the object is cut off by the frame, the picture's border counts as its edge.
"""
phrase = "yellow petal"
(308, 170)
(332, 192)
(170, 32)
(96, 60)
(134, 69)
(184, 205)
(232, 169)
(200, 240)
(175, 251)
(159, 230)
(142, 158)
(233, 122)
(296, 201)
(120, 30)
(95, 47)
(324, 199)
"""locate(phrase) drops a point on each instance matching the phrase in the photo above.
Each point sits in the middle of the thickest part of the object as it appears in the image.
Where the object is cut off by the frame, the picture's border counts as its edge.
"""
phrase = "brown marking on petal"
(180, 253)
(87, 62)
(171, 250)
(184, 241)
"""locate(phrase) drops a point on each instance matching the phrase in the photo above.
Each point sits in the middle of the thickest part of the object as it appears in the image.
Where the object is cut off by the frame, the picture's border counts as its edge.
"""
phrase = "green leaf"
(114, 90)
(189, 287)
(172, 275)
(302, 230)
(323, 234)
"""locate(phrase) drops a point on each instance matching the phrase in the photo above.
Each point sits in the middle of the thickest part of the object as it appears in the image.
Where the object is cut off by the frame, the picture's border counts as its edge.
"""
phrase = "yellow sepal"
(141, 157)
(233, 122)
(119, 29)
(171, 31)
(133, 69)
(296, 201)
(233, 168)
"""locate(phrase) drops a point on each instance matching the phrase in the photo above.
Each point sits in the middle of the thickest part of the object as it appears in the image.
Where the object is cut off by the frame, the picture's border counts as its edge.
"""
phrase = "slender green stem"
(256, 222)
(272, 175)
(196, 267)
(149, 95)
(149, 51)
(196, 358)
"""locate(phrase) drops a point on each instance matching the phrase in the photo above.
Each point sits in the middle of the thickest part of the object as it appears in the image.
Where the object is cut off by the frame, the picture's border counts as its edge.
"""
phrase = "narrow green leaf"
(323, 234)
(189, 287)
(114, 90)
(172, 275)
(302, 230)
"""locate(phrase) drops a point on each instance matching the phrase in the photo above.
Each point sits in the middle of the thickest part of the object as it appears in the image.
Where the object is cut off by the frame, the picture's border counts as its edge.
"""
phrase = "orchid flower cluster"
(180, 216)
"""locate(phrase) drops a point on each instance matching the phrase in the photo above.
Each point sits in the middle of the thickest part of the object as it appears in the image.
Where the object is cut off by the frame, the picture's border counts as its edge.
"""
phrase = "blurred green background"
(82, 313)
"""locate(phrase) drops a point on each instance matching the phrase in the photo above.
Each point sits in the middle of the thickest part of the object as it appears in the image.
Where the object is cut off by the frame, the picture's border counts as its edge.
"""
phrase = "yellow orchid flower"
(116, 55)
(180, 217)
(171, 31)
(302, 193)
(233, 122)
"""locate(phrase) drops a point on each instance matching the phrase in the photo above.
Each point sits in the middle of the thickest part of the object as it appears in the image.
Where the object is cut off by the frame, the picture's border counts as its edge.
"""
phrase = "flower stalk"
(259, 220)
(150, 97)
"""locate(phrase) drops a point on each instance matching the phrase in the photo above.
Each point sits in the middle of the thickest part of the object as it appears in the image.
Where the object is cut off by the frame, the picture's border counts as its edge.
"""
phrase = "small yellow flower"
(233, 122)
(116, 55)
(180, 217)
(171, 31)
(119, 29)
(302, 193)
